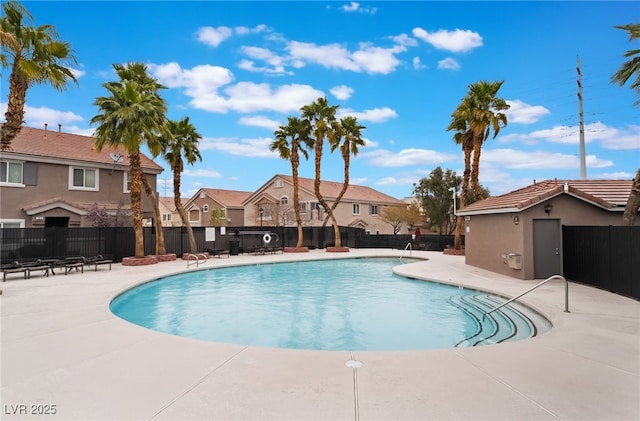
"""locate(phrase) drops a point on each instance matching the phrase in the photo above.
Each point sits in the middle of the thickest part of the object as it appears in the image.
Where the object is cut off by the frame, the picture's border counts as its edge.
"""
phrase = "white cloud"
(449, 63)
(527, 160)
(341, 92)
(620, 175)
(406, 157)
(367, 58)
(417, 64)
(77, 73)
(250, 148)
(276, 63)
(609, 137)
(201, 173)
(243, 30)
(260, 121)
(38, 116)
(404, 39)
(375, 115)
(213, 36)
(251, 97)
(458, 41)
(521, 112)
(355, 7)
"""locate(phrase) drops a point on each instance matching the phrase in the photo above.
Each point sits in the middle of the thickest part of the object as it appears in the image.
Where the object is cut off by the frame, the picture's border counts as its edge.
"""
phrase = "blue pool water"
(345, 304)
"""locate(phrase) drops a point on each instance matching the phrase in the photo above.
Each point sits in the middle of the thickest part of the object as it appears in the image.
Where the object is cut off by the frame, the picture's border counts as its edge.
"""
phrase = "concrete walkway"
(63, 351)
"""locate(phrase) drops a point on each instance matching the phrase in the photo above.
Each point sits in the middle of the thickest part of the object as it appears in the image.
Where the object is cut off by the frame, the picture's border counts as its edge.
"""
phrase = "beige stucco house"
(170, 215)
(225, 205)
(520, 233)
(272, 205)
(51, 178)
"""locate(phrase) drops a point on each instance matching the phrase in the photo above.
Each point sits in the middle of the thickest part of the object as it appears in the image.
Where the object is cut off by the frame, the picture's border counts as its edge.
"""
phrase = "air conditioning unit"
(514, 260)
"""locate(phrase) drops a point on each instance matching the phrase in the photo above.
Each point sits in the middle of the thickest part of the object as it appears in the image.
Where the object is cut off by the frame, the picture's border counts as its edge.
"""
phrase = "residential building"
(272, 205)
(216, 207)
(520, 233)
(170, 215)
(51, 178)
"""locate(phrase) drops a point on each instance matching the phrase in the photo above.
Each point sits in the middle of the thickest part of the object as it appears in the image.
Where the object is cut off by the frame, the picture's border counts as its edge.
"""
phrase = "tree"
(322, 119)
(395, 216)
(298, 132)
(160, 248)
(633, 203)
(181, 142)
(122, 217)
(99, 217)
(632, 67)
(35, 56)
(348, 139)
(133, 113)
(436, 199)
(218, 217)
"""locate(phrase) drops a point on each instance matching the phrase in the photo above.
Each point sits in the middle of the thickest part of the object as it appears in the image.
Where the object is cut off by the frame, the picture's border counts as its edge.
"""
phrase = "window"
(83, 179)
(284, 200)
(11, 223)
(278, 184)
(205, 208)
(356, 208)
(194, 215)
(126, 188)
(11, 172)
(373, 209)
(303, 207)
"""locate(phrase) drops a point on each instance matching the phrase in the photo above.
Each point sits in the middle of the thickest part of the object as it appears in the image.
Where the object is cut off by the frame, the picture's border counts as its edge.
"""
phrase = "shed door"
(546, 248)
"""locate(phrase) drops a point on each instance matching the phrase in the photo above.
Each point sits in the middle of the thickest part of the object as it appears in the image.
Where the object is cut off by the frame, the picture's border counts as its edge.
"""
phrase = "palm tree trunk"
(136, 201)
(457, 242)
(633, 203)
(14, 116)
(296, 196)
(160, 247)
(177, 170)
(475, 169)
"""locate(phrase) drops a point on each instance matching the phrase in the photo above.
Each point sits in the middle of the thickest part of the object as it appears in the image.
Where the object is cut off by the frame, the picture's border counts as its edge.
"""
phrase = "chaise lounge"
(96, 261)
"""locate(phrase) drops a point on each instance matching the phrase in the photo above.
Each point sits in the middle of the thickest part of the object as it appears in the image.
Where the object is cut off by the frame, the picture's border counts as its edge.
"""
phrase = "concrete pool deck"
(62, 346)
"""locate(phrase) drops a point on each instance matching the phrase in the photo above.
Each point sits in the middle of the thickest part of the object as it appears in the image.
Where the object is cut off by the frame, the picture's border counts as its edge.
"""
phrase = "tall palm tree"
(298, 131)
(632, 67)
(463, 136)
(348, 140)
(181, 144)
(132, 114)
(483, 113)
(322, 119)
(35, 56)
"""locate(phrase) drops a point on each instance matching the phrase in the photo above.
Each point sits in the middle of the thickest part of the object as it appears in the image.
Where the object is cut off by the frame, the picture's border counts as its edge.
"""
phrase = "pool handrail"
(566, 294)
(408, 246)
(197, 258)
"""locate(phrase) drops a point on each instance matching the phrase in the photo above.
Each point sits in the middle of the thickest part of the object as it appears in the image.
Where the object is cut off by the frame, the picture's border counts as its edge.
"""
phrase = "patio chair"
(96, 261)
(14, 267)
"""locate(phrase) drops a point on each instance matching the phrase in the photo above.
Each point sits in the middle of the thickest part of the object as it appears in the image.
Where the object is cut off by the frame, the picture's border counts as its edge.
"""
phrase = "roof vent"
(45, 130)
(566, 187)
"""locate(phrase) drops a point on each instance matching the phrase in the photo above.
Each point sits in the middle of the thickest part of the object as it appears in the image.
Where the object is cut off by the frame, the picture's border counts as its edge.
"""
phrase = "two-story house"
(170, 215)
(216, 207)
(51, 178)
(272, 205)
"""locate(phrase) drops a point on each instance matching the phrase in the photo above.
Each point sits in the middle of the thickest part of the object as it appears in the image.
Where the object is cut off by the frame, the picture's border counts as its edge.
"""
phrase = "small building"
(216, 207)
(51, 178)
(272, 205)
(520, 233)
(170, 215)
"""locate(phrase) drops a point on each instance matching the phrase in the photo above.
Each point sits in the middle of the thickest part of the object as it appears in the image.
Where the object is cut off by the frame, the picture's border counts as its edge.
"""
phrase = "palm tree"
(483, 113)
(298, 131)
(348, 139)
(464, 137)
(133, 113)
(633, 203)
(631, 67)
(35, 56)
(322, 119)
(182, 142)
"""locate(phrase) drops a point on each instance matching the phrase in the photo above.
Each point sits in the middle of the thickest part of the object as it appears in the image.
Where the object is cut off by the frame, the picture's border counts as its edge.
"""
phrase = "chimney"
(59, 129)
(45, 130)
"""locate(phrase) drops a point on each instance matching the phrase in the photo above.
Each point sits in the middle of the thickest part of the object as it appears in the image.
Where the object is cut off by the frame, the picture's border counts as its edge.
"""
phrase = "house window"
(356, 208)
(303, 207)
(373, 209)
(11, 223)
(11, 172)
(83, 179)
(284, 200)
(205, 208)
(126, 188)
(278, 184)
(194, 215)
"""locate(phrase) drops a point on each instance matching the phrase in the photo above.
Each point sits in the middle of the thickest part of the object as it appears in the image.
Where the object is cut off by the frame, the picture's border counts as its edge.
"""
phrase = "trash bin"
(234, 247)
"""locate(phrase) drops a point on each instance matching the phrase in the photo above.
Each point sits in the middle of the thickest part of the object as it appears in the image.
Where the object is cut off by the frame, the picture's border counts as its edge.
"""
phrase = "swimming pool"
(342, 304)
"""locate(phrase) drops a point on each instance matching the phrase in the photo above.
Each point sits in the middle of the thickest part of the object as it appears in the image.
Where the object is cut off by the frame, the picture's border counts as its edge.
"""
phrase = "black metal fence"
(606, 257)
(25, 244)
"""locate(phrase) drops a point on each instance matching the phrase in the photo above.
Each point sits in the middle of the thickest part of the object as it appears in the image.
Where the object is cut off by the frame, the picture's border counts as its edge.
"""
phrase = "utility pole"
(165, 183)
(583, 163)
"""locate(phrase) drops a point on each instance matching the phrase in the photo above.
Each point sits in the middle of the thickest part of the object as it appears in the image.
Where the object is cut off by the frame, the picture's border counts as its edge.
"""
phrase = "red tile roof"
(57, 144)
(228, 198)
(608, 194)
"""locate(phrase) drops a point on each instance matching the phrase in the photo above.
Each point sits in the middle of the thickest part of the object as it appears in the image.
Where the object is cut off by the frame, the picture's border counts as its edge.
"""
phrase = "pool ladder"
(566, 294)
(408, 246)
(196, 260)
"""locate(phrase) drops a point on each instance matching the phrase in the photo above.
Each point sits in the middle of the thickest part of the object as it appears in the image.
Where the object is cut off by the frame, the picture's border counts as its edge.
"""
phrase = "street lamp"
(261, 212)
(453, 189)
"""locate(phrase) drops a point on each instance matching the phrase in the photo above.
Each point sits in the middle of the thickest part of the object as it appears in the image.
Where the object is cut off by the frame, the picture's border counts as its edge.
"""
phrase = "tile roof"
(331, 189)
(57, 144)
(228, 198)
(607, 194)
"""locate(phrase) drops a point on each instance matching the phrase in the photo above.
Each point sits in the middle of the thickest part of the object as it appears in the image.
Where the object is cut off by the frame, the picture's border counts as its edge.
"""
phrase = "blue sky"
(239, 69)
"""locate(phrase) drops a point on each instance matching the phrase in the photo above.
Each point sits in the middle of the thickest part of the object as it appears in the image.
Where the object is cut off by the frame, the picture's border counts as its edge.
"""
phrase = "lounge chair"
(96, 261)
(14, 267)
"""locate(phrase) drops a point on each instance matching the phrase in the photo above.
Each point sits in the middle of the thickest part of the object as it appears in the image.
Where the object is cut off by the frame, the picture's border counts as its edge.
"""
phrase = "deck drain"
(353, 364)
